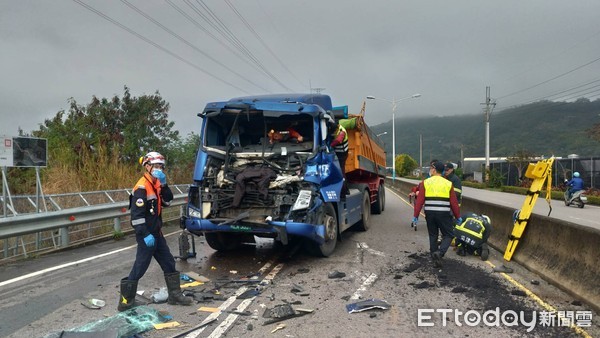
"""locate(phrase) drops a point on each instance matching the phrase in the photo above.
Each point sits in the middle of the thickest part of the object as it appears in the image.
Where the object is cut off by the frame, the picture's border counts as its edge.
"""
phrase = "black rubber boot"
(176, 296)
(485, 252)
(127, 298)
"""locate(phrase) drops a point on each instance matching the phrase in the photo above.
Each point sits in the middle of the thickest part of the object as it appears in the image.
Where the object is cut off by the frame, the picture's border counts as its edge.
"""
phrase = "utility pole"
(489, 106)
(420, 155)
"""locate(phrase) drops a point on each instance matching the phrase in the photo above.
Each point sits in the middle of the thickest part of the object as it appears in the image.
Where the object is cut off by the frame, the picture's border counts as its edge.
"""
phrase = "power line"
(177, 36)
(558, 93)
(215, 38)
(552, 79)
(141, 37)
(222, 29)
(258, 37)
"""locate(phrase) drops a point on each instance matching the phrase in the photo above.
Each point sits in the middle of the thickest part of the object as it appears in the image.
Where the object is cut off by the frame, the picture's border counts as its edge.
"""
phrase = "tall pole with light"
(394, 103)
(489, 106)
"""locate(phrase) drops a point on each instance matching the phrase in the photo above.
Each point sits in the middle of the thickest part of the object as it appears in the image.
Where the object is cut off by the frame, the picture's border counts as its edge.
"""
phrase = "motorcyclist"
(575, 184)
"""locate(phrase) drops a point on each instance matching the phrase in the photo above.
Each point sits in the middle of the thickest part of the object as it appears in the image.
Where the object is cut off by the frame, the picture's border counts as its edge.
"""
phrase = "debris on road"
(336, 274)
(368, 304)
(93, 303)
(283, 312)
(160, 296)
(208, 309)
(126, 324)
(197, 277)
(166, 325)
(279, 327)
(298, 290)
(249, 294)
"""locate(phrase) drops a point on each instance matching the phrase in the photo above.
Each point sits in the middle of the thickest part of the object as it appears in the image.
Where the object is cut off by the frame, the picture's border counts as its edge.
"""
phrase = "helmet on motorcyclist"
(152, 158)
(576, 174)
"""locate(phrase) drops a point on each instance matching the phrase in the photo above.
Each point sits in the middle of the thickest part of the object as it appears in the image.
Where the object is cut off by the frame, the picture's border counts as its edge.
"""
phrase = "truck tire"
(331, 233)
(363, 224)
(379, 204)
(222, 241)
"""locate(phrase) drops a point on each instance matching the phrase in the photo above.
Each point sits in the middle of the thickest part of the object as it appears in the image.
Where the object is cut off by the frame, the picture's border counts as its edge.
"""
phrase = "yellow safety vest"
(342, 147)
(437, 194)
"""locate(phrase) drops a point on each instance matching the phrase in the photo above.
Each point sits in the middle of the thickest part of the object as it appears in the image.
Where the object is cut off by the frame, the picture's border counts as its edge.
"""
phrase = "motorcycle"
(578, 198)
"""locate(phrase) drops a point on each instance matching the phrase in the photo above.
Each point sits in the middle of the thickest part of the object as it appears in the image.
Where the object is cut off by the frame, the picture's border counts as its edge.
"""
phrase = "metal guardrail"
(32, 232)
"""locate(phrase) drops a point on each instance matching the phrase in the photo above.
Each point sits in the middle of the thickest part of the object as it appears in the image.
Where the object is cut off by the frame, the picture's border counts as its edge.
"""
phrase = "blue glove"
(415, 219)
(149, 240)
(459, 221)
(158, 173)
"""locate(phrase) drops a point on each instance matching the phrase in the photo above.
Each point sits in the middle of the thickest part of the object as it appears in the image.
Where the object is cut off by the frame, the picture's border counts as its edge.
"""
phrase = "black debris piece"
(576, 303)
(423, 285)
(249, 294)
(368, 304)
(336, 274)
(412, 267)
(519, 293)
(459, 289)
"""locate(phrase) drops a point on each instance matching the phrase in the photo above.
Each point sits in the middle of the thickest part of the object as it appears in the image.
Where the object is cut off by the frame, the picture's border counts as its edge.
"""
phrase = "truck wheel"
(382, 197)
(363, 224)
(221, 241)
(331, 233)
(379, 204)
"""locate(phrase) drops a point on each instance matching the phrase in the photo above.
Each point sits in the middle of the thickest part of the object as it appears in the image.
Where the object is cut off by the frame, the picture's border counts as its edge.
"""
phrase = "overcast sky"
(448, 51)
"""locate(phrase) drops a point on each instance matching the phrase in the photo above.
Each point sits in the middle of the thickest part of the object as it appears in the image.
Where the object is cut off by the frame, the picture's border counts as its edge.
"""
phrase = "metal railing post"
(64, 236)
(117, 222)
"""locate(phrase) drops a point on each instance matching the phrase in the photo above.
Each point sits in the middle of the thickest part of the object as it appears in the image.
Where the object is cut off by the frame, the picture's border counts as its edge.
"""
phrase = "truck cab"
(264, 168)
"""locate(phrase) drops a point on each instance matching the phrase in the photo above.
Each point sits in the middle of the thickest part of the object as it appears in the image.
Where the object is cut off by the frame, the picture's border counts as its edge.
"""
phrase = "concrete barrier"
(563, 253)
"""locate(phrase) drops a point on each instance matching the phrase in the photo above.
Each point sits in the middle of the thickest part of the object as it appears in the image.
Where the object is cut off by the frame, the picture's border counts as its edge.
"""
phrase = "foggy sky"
(448, 51)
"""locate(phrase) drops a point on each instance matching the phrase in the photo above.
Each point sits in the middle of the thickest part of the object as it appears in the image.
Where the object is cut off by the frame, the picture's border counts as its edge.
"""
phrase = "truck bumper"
(280, 230)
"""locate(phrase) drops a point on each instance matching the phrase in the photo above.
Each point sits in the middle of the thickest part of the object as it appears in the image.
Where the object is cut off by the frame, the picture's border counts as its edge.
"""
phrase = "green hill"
(542, 128)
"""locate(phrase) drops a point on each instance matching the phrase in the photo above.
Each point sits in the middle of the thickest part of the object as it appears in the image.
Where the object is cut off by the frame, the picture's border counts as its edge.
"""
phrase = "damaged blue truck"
(249, 183)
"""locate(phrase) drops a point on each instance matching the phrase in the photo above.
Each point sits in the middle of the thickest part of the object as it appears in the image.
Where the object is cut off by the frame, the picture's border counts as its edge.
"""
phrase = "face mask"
(156, 172)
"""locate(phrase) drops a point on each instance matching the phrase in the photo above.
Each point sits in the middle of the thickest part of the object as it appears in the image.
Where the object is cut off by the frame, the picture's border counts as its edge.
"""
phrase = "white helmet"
(152, 157)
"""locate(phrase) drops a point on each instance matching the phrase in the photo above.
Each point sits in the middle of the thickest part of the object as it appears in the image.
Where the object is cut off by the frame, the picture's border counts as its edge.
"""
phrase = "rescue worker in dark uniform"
(437, 197)
(150, 194)
(472, 235)
(339, 143)
(450, 175)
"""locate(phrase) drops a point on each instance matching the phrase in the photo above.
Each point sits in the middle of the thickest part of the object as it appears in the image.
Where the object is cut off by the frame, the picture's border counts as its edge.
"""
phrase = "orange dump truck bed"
(366, 154)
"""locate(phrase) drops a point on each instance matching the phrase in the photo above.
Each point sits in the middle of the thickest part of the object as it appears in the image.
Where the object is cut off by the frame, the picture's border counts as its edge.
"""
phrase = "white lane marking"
(369, 281)
(224, 326)
(62, 266)
(364, 246)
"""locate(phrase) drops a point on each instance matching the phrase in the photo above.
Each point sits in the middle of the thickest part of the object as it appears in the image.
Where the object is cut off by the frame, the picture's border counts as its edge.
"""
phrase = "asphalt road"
(388, 262)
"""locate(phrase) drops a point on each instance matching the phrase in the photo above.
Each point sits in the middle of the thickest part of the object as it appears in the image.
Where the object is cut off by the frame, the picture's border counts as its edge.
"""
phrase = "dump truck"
(264, 168)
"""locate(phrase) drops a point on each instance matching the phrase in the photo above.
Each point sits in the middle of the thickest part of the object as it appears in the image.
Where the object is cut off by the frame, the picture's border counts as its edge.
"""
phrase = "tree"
(520, 159)
(181, 156)
(105, 138)
(405, 165)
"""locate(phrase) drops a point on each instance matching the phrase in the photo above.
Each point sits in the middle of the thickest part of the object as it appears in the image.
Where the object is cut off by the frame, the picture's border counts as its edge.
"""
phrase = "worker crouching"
(472, 235)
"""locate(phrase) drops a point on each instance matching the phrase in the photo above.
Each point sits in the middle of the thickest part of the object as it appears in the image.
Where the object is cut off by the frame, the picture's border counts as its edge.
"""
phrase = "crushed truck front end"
(248, 184)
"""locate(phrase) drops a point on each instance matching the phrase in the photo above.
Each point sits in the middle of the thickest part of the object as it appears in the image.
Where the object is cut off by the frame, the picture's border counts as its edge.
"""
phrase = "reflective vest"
(437, 194)
(146, 204)
(343, 146)
(471, 231)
